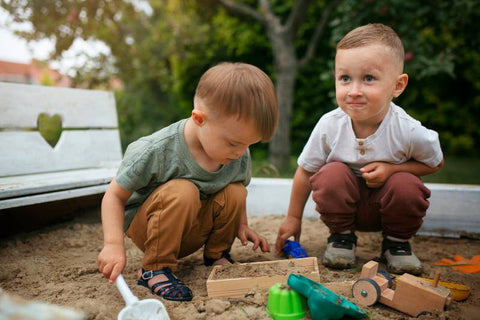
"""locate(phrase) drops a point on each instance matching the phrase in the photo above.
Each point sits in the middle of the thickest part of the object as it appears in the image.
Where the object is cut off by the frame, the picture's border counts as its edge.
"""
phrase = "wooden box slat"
(239, 287)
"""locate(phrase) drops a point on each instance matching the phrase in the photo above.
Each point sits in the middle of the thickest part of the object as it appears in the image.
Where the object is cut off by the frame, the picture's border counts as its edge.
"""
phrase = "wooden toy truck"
(412, 295)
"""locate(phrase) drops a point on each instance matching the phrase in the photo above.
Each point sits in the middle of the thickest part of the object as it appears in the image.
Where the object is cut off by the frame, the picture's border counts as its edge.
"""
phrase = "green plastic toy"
(285, 303)
(323, 303)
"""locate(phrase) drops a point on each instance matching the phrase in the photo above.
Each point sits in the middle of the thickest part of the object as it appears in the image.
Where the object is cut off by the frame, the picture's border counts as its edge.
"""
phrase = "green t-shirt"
(163, 156)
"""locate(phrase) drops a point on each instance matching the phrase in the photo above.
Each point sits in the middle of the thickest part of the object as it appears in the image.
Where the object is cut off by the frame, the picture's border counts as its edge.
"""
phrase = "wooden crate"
(239, 287)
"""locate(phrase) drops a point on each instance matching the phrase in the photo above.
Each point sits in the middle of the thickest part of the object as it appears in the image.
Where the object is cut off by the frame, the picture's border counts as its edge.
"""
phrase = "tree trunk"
(286, 68)
(282, 39)
(279, 148)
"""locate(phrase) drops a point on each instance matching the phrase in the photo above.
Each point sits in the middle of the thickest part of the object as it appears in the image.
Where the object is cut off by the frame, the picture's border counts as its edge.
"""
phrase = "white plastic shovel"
(148, 309)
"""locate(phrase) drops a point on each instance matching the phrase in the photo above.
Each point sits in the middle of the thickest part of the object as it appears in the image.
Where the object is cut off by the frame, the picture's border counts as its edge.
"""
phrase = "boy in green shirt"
(186, 183)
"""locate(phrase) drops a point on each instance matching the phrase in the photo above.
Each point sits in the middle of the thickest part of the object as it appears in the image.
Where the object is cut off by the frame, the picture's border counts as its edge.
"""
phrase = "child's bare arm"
(376, 173)
(112, 258)
(298, 198)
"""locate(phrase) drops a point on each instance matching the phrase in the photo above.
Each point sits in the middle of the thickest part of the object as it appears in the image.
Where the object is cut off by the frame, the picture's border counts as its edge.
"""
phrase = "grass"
(456, 170)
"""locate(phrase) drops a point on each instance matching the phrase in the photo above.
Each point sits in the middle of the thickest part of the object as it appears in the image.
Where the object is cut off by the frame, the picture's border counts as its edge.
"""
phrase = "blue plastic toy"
(293, 250)
(323, 303)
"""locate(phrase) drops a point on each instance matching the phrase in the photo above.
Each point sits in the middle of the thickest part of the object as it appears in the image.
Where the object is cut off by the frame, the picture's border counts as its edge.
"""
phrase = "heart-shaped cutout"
(50, 127)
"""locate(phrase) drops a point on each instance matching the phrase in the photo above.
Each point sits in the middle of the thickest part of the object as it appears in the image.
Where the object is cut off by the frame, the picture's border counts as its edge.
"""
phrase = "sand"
(58, 265)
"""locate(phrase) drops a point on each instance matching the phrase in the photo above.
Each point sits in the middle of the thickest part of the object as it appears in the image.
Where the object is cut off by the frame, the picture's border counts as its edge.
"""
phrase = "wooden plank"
(52, 196)
(239, 287)
(369, 269)
(17, 186)
(28, 152)
(20, 105)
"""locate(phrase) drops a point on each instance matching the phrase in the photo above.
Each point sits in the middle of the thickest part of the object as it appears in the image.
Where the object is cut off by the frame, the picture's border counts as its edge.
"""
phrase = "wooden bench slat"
(17, 186)
(28, 152)
(20, 105)
(52, 196)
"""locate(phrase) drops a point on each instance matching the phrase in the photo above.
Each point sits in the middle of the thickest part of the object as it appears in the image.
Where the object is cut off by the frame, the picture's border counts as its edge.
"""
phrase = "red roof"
(33, 73)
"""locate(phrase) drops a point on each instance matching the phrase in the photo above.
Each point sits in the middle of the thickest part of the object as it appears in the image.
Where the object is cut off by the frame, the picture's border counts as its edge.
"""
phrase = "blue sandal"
(173, 289)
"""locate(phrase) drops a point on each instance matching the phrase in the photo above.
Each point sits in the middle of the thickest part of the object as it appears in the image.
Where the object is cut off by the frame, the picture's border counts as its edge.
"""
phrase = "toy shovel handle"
(127, 295)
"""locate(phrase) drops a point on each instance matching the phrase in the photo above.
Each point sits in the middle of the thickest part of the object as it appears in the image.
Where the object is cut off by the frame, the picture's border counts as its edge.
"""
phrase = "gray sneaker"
(340, 252)
(400, 258)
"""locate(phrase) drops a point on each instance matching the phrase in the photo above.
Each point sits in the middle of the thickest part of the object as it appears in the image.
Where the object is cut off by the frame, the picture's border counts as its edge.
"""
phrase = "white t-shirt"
(399, 138)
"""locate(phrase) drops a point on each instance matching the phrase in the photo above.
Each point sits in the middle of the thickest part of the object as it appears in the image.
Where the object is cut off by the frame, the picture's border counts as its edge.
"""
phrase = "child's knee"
(407, 187)
(230, 203)
(331, 175)
(235, 192)
(334, 181)
(182, 189)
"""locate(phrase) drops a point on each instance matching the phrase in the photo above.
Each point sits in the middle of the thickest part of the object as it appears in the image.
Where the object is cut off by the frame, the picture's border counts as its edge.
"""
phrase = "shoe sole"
(338, 263)
(405, 269)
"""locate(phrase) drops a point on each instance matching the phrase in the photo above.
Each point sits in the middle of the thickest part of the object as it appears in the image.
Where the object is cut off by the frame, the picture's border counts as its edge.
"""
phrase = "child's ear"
(400, 85)
(198, 117)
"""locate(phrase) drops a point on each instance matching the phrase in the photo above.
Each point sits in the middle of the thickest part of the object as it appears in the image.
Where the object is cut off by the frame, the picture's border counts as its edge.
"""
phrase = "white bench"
(81, 163)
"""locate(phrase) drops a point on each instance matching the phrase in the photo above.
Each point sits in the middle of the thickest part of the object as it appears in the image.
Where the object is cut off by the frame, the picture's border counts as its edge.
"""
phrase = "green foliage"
(160, 54)
(46, 79)
(262, 168)
(459, 170)
(443, 62)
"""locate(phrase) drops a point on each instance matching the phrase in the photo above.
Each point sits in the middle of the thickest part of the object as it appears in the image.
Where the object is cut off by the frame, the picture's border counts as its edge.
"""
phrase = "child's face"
(225, 139)
(366, 80)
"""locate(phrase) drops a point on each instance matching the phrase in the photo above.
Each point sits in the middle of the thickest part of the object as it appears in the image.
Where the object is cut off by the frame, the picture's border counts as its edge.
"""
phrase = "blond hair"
(241, 90)
(374, 33)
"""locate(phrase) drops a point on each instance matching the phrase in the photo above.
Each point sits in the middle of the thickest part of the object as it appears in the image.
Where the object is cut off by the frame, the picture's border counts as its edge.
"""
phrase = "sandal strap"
(148, 274)
(169, 288)
(172, 290)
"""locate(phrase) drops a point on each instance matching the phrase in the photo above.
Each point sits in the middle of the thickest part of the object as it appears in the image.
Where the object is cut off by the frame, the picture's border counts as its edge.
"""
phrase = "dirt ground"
(58, 265)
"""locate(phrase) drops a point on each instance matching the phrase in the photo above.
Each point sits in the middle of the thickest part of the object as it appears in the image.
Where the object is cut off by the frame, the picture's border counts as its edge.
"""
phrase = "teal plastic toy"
(323, 303)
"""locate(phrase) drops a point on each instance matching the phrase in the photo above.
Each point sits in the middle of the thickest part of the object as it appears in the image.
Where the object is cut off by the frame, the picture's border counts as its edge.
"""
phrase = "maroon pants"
(346, 203)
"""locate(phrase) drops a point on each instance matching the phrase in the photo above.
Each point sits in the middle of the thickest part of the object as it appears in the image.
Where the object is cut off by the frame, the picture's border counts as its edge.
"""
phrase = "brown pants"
(346, 203)
(173, 222)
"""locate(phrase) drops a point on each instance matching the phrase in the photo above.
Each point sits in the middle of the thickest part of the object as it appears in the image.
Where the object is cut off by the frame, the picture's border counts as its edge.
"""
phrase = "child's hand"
(111, 261)
(376, 173)
(246, 234)
(290, 227)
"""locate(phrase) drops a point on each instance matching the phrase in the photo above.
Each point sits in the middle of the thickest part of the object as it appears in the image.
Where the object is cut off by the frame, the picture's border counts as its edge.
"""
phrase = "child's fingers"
(368, 167)
(256, 243)
(264, 245)
(243, 239)
(279, 243)
(296, 236)
(107, 270)
(117, 269)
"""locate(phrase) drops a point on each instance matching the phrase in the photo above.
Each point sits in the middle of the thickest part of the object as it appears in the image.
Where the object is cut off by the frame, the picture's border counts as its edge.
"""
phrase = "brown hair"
(242, 90)
(374, 33)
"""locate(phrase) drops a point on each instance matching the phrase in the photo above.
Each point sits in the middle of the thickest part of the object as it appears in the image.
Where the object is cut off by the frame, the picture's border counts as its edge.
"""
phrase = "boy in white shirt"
(363, 160)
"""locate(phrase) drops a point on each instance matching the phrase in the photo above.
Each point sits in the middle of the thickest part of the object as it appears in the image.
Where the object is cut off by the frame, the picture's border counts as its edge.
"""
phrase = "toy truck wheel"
(385, 274)
(366, 291)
